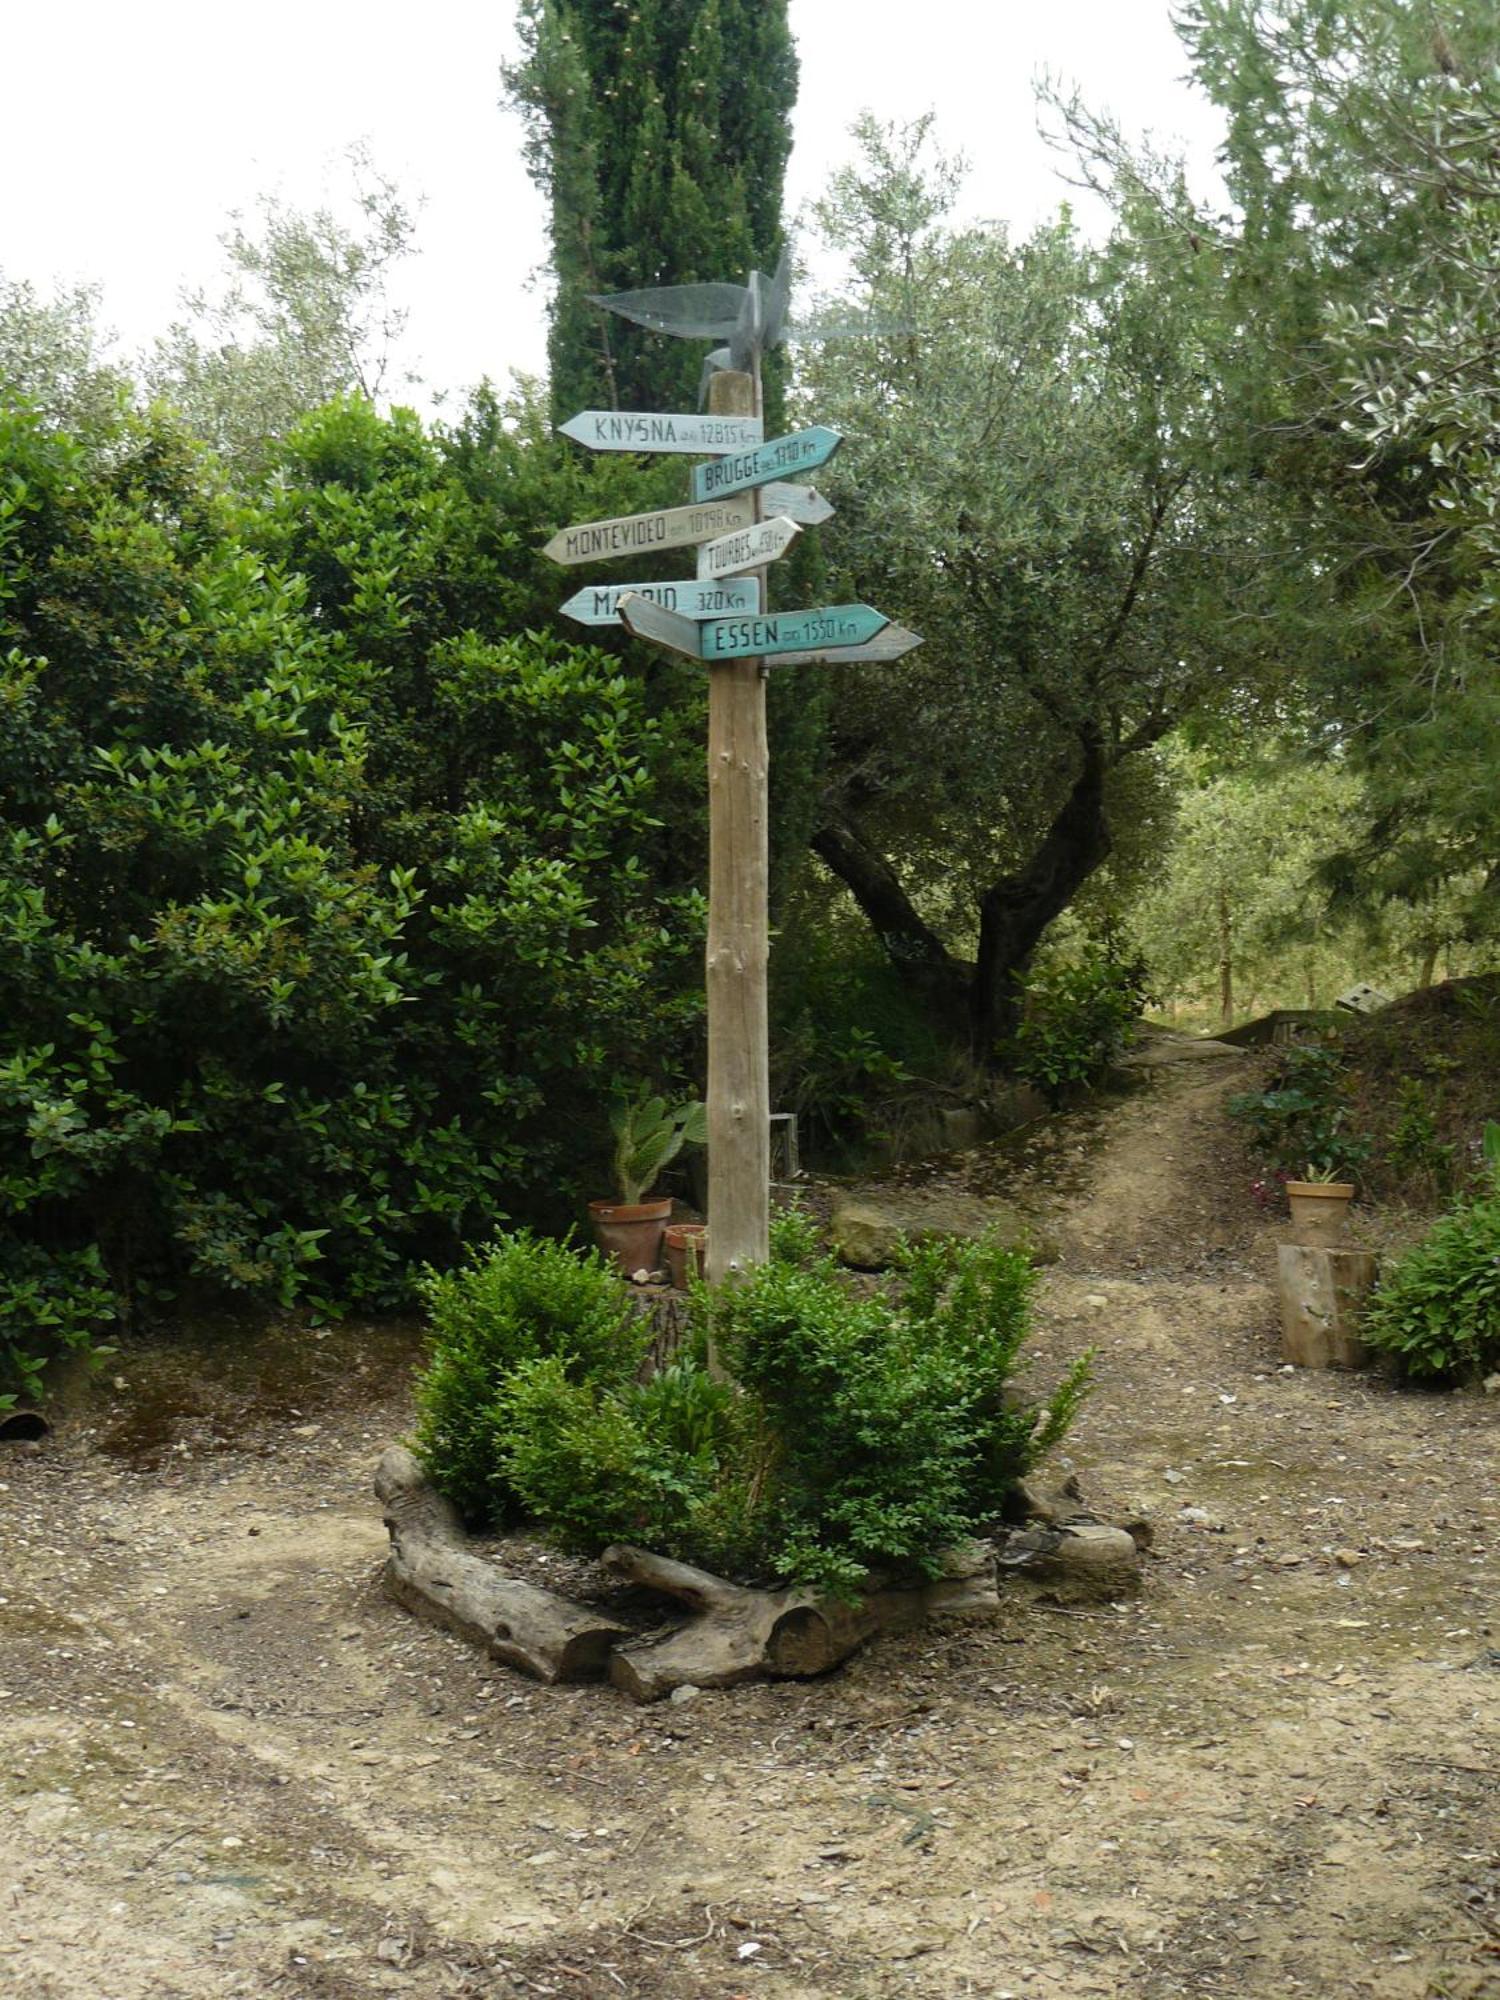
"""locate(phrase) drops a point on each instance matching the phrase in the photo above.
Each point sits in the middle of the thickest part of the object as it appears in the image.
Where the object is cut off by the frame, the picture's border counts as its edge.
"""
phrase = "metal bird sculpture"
(750, 318)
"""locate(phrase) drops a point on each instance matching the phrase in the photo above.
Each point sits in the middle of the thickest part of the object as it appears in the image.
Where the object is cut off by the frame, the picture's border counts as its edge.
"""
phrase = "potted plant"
(686, 1246)
(649, 1134)
(1320, 1206)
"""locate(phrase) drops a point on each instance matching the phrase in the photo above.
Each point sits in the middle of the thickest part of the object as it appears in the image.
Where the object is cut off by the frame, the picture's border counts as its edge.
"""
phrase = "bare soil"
(228, 1766)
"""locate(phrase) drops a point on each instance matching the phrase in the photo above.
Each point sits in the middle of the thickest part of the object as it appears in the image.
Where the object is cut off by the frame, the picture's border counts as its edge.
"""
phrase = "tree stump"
(1322, 1293)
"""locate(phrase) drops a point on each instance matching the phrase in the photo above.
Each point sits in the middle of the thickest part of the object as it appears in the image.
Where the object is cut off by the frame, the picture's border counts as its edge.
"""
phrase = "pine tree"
(659, 130)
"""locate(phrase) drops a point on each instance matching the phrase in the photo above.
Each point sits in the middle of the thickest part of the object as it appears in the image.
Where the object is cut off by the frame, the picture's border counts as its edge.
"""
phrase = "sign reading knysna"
(646, 430)
(802, 451)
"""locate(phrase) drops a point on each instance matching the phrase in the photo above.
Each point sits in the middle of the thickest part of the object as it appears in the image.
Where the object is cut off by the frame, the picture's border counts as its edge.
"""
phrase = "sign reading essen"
(790, 632)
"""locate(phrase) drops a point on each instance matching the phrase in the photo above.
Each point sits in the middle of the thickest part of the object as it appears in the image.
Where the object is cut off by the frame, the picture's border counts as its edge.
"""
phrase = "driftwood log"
(738, 1634)
(430, 1572)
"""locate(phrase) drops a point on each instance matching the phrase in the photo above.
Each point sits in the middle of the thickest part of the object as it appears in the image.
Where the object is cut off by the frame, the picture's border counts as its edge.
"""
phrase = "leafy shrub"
(331, 897)
(1077, 1022)
(1299, 1122)
(1436, 1310)
(524, 1301)
(857, 1432)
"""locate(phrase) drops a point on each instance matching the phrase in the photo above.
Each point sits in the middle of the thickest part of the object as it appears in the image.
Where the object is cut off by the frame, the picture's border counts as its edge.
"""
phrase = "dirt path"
(229, 1767)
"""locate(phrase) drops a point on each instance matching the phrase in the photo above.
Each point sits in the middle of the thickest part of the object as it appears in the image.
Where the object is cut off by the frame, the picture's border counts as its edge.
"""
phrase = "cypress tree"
(659, 130)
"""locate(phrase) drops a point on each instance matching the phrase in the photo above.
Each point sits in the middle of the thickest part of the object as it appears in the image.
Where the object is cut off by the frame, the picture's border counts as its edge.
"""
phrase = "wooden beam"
(739, 1085)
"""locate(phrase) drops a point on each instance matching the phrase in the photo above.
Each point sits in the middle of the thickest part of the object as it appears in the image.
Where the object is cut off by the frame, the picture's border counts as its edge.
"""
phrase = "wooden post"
(1322, 1294)
(739, 1083)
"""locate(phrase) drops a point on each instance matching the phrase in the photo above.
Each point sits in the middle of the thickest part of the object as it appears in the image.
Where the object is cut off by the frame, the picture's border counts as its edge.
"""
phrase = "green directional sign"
(789, 632)
(783, 458)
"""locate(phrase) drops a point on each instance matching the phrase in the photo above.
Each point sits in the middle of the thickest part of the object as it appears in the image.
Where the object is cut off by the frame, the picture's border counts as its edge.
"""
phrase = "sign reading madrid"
(641, 430)
(789, 631)
(782, 458)
(670, 528)
(747, 548)
(599, 604)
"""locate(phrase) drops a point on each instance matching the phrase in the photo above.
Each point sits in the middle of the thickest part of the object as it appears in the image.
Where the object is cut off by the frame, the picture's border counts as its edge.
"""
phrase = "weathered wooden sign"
(747, 548)
(803, 504)
(884, 647)
(789, 631)
(801, 451)
(668, 528)
(645, 620)
(599, 603)
(641, 430)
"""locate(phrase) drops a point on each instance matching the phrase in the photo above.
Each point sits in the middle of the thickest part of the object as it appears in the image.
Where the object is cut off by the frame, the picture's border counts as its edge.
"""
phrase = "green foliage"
(794, 1235)
(856, 1432)
(331, 900)
(1298, 1125)
(522, 1305)
(1436, 1310)
(1077, 1022)
(649, 1134)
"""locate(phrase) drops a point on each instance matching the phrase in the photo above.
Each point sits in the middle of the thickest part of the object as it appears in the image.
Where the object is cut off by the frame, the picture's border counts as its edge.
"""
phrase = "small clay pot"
(1320, 1212)
(629, 1233)
(686, 1246)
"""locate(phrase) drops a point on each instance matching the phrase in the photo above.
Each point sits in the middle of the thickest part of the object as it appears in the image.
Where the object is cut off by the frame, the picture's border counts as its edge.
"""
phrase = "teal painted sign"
(782, 458)
(789, 632)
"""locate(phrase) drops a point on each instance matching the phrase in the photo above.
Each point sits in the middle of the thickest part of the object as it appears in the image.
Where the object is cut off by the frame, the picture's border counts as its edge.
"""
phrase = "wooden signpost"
(637, 430)
(802, 451)
(886, 646)
(599, 603)
(747, 509)
(747, 548)
(634, 534)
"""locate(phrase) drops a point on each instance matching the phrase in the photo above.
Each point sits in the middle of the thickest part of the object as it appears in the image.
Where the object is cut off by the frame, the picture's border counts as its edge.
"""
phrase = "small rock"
(1174, 1478)
(1096, 1301)
(231, 1841)
(307, 1430)
(1492, 1385)
(1195, 1517)
(1347, 1558)
(684, 1694)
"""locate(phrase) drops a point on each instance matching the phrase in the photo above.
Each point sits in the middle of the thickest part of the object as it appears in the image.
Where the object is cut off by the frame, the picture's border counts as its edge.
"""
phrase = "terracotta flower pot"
(686, 1246)
(629, 1233)
(1320, 1212)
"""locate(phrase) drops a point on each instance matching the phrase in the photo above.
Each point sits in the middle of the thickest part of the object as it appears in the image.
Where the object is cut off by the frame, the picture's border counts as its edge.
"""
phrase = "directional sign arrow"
(646, 620)
(803, 451)
(884, 647)
(599, 603)
(670, 528)
(747, 548)
(838, 625)
(803, 504)
(638, 430)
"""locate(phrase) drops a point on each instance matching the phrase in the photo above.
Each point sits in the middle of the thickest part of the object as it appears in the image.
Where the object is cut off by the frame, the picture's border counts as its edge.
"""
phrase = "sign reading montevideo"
(599, 604)
(789, 632)
(802, 451)
(670, 528)
(644, 430)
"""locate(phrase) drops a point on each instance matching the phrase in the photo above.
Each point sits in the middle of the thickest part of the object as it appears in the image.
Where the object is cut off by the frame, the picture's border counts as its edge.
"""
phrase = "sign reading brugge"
(782, 458)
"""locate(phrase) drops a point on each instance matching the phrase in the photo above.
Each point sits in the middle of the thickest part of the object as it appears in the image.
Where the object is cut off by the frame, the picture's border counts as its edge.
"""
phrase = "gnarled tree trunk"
(1017, 909)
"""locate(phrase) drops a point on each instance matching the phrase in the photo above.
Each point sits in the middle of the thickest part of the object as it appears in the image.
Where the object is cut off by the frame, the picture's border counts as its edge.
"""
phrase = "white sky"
(132, 129)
